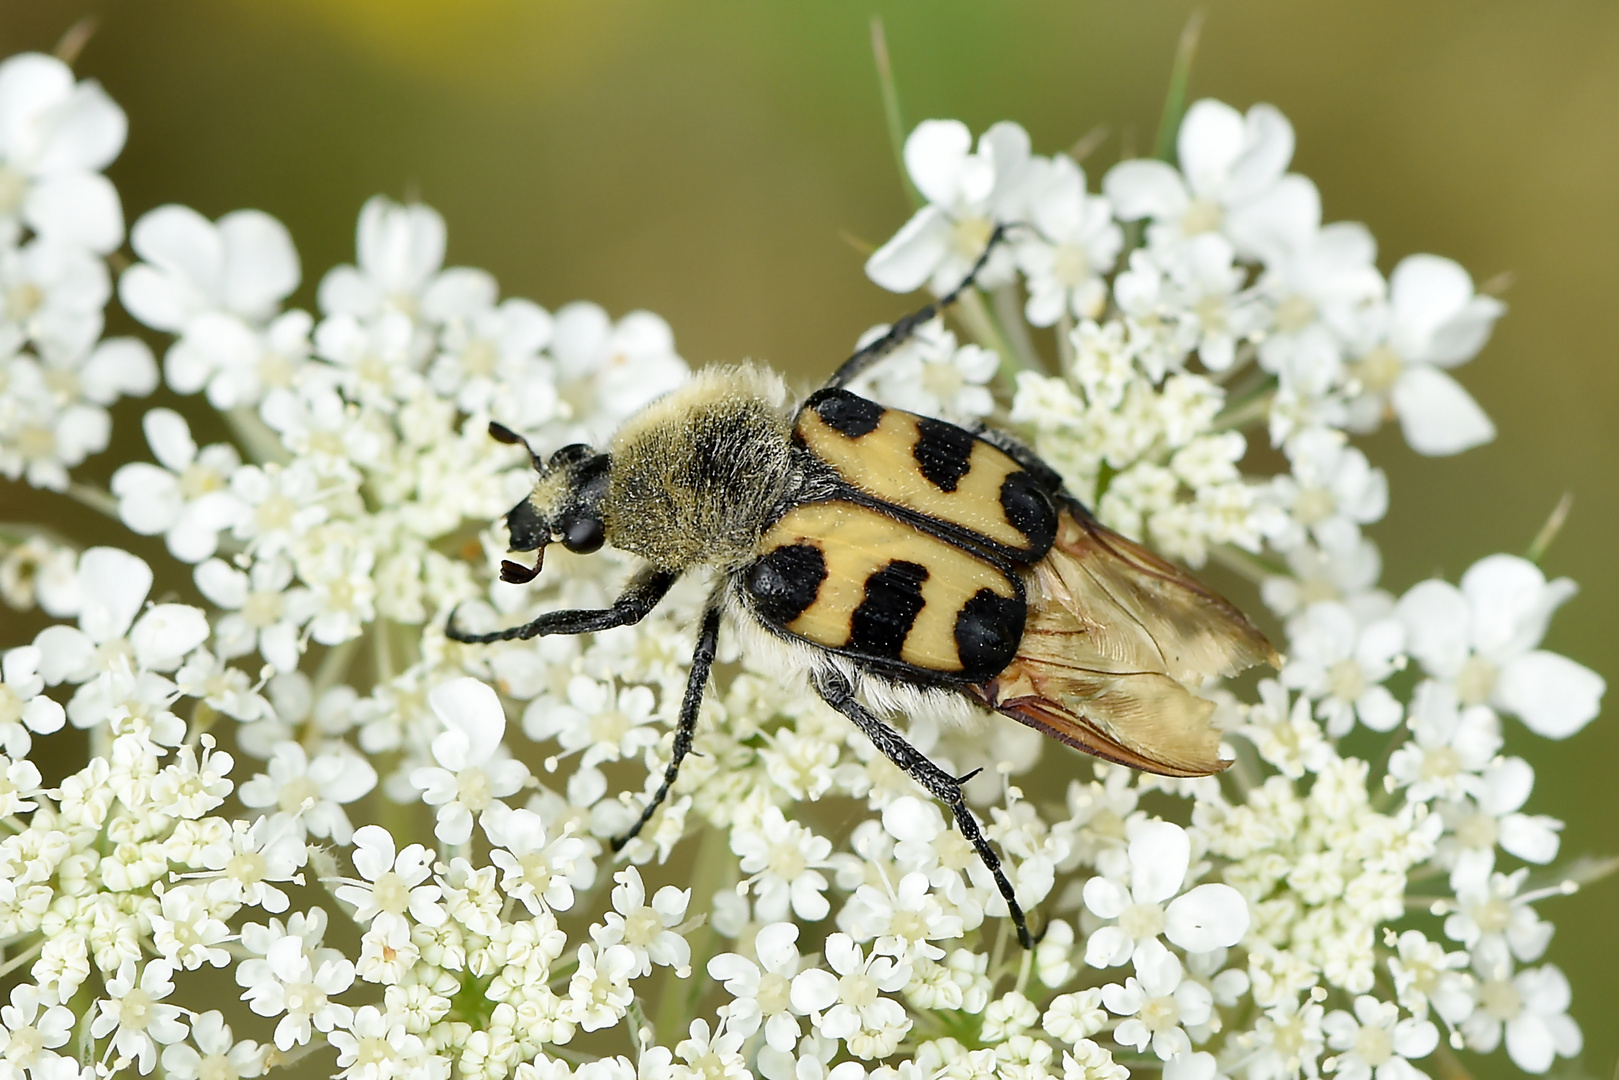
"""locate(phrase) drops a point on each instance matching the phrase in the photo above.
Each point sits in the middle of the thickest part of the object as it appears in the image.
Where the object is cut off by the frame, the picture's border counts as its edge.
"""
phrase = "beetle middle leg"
(696, 682)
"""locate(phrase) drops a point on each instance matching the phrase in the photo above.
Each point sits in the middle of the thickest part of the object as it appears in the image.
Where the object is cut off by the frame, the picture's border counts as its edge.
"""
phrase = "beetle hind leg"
(837, 692)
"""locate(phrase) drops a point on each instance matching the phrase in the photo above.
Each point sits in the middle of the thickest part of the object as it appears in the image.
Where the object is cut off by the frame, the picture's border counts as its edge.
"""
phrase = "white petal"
(148, 497)
(115, 584)
(162, 637)
(373, 851)
(1209, 917)
(1512, 603)
(936, 156)
(1436, 414)
(119, 367)
(1005, 147)
(1529, 1043)
(1507, 785)
(344, 290)
(77, 209)
(1379, 709)
(89, 131)
(1551, 694)
(1532, 838)
(1210, 140)
(43, 715)
(261, 264)
(30, 84)
(151, 296)
(911, 256)
(183, 242)
(472, 707)
(1105, 897)
(1198, 1066)
(1281, 222)
(400, 246)
(459, 292)
(170, 437)
(1143, 188)
(1160, 852)
(222, 584)
(1461, 337)
(1108, 946)
(64, 651)
(1414, 1038)
(1437, 619)
(814, 989)
(1268, 150)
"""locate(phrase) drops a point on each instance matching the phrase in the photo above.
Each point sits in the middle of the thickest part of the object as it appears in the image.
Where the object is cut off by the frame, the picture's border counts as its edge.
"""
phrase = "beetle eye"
(583, 535)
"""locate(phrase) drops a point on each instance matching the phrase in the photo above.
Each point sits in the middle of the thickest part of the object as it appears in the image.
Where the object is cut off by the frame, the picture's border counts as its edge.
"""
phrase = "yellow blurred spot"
(527, 42)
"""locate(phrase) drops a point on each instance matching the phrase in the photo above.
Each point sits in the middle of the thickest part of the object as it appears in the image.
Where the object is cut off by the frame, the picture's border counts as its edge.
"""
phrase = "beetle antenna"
(501, 433)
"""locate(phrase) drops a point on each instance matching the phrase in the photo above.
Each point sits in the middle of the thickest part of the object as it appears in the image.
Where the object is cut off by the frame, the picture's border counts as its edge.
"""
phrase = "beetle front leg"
(640, 596)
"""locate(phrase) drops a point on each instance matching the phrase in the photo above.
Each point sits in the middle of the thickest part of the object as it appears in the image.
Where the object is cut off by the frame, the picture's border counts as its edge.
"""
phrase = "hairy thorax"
(698, 474)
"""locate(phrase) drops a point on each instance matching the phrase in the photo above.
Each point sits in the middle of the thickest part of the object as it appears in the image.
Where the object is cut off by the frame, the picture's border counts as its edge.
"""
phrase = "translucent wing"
(1114, 638)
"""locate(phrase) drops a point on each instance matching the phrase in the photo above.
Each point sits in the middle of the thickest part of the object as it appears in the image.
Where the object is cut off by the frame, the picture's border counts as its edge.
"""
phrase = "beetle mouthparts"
(518, 574)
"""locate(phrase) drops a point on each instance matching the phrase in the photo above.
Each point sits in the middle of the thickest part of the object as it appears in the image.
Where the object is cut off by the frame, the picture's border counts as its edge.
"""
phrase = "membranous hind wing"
(1115, 636)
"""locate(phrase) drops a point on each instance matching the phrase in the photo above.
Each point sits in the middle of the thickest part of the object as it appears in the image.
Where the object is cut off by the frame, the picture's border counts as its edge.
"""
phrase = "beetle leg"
(642, 594)
(701, 661)
(837, 692)
(902, 329)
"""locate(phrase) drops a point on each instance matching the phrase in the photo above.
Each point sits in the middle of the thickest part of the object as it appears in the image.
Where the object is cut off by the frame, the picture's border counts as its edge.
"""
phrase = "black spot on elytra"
(847, 414)
(786, 581)
(988, 629)
(1029, 509)
(884, 618)
(943, 451)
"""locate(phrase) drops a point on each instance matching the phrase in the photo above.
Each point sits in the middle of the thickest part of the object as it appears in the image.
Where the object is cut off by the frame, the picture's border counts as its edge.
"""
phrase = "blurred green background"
(711, 161)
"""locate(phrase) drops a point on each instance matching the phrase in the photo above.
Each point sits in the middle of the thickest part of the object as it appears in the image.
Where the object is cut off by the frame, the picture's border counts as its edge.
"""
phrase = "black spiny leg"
(640, 596)
(897, 334)
(702, 659)
(837, 692)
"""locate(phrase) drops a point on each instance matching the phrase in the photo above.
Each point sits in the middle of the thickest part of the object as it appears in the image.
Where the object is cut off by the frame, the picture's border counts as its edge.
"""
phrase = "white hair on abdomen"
(799, 660)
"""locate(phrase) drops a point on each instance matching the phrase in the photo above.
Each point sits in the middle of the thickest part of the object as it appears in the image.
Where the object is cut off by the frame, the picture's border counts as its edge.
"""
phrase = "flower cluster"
(302, 759)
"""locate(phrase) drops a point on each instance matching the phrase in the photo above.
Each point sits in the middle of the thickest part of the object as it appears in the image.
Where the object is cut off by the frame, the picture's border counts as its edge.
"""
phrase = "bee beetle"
(903, 564)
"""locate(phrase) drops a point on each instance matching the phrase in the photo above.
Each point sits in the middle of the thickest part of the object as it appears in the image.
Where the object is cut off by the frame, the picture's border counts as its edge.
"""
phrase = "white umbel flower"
(1482, 637)
(1207, 917)
(395, 886)
(134, 1015)
(968, 193)
(473, 773)
(1434, 322)
(56, 135)
(1374, 1042)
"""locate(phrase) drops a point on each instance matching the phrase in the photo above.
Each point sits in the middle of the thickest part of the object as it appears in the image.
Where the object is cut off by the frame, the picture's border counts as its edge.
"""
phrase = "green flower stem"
(1255, 568)
(712, 870)
(1065, 343)
(382, 649)
(22, 958)
(1246, 354)
(96, 498)
(255, 437)
(1245, 412)
(892, 115)
(1024, 970)
(1175, 100)
(979, 323)
(1548, 532)
(1008, 309)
